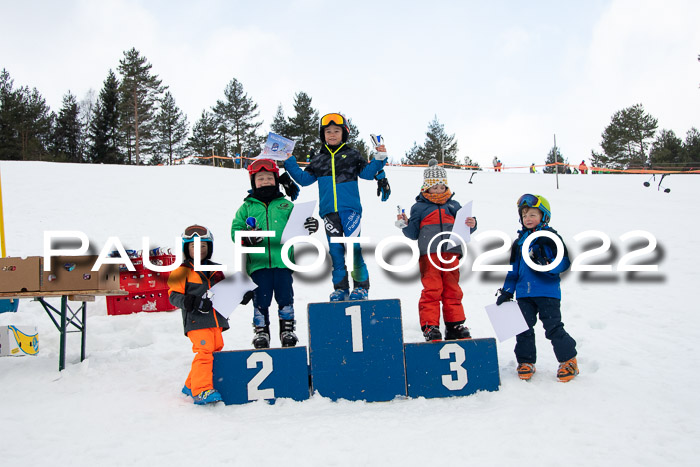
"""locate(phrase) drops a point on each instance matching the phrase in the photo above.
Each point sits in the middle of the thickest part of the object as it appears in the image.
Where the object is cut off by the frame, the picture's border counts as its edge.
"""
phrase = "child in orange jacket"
(203, 324)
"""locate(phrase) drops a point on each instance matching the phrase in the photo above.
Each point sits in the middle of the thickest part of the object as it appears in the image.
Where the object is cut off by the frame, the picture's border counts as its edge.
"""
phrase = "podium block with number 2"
(243, 376)
(356, 350)
(451, 368)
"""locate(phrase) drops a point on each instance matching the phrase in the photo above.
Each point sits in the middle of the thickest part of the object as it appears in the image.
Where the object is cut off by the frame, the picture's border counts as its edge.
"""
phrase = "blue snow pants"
(550, 314)
(269, 281)
(339, 224)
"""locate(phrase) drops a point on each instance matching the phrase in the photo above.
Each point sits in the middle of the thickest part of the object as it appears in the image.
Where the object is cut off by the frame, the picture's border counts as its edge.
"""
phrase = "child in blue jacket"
(538, 293)
(336, 168)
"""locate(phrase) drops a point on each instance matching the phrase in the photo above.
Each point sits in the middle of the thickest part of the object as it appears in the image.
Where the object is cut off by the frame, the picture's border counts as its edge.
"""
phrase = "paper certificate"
(460, 229)
(277, 148)
(507, 320)
(227, 294)
(295, 224)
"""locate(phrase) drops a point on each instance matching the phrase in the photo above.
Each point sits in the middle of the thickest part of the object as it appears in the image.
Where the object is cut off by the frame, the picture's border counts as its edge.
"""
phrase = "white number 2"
(254, 392)
(355, 314)
(447, 380)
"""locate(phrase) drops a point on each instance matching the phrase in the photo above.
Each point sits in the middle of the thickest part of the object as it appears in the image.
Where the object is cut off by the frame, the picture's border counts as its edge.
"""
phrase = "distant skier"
(538, 293)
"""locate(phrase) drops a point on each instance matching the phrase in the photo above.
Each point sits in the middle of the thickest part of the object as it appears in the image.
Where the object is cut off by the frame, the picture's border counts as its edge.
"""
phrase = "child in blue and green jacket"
(336, 168)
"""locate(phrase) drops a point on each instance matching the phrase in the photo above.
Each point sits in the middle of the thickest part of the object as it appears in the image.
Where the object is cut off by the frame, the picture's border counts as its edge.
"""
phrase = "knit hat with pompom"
(433, 175)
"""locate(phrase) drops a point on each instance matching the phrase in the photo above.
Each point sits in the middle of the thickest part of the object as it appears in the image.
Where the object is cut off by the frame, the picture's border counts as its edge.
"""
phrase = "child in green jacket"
(266, 208)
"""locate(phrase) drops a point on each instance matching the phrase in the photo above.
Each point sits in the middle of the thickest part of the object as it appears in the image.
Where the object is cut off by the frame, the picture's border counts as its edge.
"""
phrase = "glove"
(291, 188)
(191, 302)
(247, 297)
(383, 188)
(252, 241)
(311, 224)
(205, 305)
(543, 251)
(504, 297)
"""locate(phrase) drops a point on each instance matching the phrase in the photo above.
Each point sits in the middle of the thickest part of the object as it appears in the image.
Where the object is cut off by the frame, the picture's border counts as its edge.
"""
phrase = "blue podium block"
(356, 350)
(243, 376)
(451, 368)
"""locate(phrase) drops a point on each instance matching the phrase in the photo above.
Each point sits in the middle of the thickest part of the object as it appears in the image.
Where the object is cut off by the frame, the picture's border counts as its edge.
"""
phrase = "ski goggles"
(334, 118)
(196, 231)
(267, 165)
(529, 200)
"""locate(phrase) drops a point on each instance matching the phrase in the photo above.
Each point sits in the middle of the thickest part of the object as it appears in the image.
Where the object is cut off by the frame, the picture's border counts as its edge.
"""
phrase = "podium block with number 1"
(356, 350)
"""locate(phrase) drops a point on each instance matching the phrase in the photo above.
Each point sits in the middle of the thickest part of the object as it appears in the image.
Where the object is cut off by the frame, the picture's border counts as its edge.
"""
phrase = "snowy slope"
(634, 402)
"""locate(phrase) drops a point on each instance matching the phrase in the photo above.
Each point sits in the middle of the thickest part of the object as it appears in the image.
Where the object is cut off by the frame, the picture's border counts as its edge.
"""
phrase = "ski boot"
(432, 333)
(567, 370)
(359, 293)
(526, 370)
(339, 295)
(186, 391)
(287, 336)
(262, 337)
(207, 397)
(454, 331)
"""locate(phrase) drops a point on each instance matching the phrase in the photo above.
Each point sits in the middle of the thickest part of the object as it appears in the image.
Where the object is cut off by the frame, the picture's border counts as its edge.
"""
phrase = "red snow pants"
(204, 343)
(440, 286)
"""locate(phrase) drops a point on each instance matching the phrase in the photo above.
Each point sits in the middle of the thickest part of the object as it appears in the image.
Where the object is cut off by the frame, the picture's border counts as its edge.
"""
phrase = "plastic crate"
(148, 301)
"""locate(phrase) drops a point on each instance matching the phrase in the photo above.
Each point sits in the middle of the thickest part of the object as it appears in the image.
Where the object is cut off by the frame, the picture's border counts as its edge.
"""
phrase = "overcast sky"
(504, 77)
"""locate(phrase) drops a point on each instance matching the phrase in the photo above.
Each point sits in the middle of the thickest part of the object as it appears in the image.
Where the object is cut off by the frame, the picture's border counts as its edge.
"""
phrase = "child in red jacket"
(434, 214)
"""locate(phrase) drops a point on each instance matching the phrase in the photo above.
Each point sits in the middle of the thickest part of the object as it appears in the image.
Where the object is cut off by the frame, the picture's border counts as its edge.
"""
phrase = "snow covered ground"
(634, 402)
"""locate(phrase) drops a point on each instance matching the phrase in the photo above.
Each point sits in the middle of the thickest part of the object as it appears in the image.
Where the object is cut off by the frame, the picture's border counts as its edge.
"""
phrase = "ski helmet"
(260, 165)
(535, 201)
(334, 119)
(197, 231)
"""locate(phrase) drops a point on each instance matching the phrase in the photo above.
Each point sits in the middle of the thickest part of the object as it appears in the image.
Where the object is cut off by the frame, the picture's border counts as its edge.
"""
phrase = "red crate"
(149, 301)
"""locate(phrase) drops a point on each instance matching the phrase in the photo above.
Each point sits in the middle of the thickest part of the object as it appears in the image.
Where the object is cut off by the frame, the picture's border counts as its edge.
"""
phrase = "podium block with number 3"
(451, 368)
(243, 376)
(356, 350)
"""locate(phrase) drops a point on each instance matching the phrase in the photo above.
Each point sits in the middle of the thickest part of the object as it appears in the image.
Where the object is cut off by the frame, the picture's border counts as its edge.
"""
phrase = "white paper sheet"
(227, 294)
(295, 224)
(507, 320)
(460, 228)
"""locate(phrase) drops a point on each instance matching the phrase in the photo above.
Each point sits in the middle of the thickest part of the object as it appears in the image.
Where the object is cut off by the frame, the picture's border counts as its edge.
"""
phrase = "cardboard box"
(17, 342)
(74, 273)
(20, 275)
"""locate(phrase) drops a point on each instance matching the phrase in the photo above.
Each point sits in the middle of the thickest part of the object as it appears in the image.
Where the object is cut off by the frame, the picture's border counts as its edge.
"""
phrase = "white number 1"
(355, 314)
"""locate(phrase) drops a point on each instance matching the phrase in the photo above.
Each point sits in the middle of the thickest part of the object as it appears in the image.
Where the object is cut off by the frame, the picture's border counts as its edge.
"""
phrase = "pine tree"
(279, 123)
(691, 146)
(67, 133)
(667, 150)
(237, 117)
(10, 146)
(438, 144)
(415, 155)
(86, 113)
(104, 130)
(552, 160)
(203, 141)
(171, 130)
(626, 138)
(140, 91)
(303, 127)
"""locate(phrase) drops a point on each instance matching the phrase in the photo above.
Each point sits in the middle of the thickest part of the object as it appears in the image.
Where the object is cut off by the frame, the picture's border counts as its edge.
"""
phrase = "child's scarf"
(436, 198)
